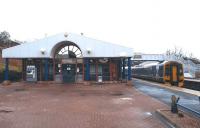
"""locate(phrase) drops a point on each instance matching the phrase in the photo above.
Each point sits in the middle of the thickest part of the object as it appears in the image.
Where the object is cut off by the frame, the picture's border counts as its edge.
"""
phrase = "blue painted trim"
(120, 68)
(87, 69)
(46, 72)
(129, 68)
(6, 69)
(123, 68)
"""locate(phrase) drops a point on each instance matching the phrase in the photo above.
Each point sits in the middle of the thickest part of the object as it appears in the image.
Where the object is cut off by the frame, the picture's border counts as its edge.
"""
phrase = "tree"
(178, 53)
(191, 55)
(168, 52)
(5, 38)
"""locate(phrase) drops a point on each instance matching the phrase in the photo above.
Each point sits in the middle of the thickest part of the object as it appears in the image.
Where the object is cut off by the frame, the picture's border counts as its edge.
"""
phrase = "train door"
(174, 77)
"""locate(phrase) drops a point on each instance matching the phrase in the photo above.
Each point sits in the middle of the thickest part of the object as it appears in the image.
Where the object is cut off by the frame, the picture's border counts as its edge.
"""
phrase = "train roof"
(147, 64)
(165, 62)
(153, 63)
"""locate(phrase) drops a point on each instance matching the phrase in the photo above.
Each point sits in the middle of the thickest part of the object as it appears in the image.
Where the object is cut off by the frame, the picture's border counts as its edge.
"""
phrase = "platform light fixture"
(103, 60)
(89, 50)
(65, 35)
(43, 51)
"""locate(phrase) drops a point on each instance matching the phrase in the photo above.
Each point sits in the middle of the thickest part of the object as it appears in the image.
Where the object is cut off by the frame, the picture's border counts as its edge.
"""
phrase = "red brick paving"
(77, 106)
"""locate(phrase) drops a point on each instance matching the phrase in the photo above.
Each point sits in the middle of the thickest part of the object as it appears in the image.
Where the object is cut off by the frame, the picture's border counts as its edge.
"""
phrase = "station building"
(70, 58)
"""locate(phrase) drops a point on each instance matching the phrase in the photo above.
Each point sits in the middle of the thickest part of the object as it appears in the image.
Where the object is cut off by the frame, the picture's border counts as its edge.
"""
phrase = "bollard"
(174, 108)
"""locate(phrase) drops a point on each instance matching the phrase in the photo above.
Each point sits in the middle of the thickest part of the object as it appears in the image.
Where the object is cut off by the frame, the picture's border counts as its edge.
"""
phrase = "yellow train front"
(166, 72)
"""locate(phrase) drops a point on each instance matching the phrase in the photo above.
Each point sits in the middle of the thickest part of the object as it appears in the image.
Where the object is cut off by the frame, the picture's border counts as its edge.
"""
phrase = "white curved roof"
(97, 48)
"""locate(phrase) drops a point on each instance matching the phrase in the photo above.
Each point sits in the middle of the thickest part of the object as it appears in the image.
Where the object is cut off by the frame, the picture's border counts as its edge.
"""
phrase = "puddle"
(126, 98)
(20, 89)
(6, 109)
(116, 93)
(148, 113)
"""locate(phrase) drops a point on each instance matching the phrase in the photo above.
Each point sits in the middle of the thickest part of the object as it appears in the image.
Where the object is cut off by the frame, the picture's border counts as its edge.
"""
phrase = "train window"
(167, 70)
(154, 70)
(137, 56)
(160, 71)
(181, 70)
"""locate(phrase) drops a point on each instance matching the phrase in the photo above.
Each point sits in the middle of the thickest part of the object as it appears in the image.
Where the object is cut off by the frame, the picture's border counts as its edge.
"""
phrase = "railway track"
(189, 110)
(188, 83)
(188, 103)
(192, 84)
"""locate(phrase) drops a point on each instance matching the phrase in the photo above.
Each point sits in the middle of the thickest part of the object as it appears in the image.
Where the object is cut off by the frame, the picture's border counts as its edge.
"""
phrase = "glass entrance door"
(68, 73)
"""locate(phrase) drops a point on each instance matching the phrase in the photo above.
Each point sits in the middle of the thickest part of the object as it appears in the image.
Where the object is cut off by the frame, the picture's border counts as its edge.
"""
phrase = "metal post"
(120, 68)
(6, 69)
(23, 69)
(129, 68)
(46, 69)
(123, 68)
(87, 69)
(110, 68)
(83, 71)
(96, 69)
(40, 70)
(54, 72)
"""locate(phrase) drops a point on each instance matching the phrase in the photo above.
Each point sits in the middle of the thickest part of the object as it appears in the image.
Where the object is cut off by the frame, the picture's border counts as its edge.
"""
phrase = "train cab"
(173, 73)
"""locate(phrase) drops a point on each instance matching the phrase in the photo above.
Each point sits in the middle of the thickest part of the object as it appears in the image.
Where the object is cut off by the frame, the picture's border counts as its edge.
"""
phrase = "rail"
(193, 112)
(192, 84)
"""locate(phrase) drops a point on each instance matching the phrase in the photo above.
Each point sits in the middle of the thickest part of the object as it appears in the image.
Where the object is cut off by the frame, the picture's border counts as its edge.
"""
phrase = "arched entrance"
(68, 62)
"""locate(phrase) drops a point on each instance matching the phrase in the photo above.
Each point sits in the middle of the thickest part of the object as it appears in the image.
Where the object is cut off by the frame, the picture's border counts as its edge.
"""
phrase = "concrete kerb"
(165, 120)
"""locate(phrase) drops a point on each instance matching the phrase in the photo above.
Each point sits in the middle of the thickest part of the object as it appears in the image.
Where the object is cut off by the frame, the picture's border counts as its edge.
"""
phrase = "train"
(166, 72)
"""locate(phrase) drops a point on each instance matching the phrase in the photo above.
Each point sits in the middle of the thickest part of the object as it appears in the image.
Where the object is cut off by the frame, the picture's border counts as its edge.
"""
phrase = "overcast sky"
(148, 26)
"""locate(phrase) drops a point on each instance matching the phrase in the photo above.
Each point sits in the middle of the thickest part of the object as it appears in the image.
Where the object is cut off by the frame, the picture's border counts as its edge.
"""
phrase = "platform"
(77, 106)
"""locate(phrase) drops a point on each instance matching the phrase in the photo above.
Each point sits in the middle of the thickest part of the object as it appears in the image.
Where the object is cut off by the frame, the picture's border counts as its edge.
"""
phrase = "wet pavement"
(164, 94)
(76, 106)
